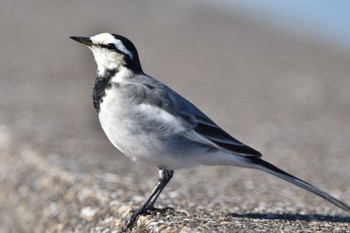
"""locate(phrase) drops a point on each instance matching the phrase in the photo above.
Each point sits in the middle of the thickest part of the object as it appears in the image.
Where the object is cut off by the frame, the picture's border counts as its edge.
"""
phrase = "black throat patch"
(102, 83)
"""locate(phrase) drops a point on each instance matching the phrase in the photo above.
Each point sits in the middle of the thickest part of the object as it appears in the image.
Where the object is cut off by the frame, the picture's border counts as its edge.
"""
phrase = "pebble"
(88, 213)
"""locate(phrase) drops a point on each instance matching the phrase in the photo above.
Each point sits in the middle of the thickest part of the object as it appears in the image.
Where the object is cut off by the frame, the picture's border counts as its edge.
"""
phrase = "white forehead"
(108, 38)
(103, 38)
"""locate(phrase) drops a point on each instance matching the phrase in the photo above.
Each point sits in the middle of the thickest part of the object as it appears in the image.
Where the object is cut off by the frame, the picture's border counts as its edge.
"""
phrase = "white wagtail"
(149, 122)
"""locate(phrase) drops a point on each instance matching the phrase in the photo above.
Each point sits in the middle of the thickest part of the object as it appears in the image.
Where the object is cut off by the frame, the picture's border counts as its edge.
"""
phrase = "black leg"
(165, 176)
(163, 179)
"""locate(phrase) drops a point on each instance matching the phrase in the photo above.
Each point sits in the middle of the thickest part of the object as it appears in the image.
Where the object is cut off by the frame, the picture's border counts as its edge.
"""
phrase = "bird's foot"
(149, 210)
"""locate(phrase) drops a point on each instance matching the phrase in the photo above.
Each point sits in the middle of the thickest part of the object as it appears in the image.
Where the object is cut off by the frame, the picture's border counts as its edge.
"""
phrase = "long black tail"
(267, 167)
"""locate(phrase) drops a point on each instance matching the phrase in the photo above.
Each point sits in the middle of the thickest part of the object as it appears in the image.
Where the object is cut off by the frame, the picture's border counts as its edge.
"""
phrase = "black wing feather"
(223, 139)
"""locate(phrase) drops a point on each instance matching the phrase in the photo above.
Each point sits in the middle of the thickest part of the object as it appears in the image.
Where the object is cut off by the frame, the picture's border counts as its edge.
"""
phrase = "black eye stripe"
(108, 46)
(112, 47)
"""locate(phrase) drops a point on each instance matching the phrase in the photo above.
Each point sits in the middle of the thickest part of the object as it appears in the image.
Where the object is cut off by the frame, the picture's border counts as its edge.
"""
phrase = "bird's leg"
(163, 179)
(165, 176)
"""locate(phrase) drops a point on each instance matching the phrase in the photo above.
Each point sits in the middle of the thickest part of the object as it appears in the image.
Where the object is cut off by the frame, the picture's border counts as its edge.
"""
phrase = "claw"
(149, 210)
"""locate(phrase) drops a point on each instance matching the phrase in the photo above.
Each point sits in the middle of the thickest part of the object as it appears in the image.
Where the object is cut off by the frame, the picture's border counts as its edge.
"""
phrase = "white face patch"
(108, 59)
(107, 38)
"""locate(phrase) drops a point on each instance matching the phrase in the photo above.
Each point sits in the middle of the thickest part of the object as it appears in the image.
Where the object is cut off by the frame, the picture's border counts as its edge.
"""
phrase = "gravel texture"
(286, 97)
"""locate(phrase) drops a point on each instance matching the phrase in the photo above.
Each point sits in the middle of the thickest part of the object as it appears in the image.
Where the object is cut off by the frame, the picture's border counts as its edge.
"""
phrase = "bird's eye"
(110, 46)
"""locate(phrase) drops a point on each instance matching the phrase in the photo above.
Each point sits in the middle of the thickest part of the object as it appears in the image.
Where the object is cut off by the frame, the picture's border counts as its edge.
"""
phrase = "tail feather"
(267, 167)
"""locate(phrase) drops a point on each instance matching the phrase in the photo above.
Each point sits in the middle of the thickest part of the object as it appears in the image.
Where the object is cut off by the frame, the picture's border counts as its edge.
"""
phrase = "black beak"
(83, 40)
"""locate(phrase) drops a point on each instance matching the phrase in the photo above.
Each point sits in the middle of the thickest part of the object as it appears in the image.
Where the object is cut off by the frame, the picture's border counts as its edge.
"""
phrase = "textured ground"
(285, 97)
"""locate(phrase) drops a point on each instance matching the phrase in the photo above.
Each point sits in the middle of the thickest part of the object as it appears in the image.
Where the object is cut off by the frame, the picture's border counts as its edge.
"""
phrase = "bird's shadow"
(293, 217)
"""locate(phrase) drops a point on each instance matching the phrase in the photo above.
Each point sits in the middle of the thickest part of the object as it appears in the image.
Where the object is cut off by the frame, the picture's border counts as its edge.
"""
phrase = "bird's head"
(112, 51)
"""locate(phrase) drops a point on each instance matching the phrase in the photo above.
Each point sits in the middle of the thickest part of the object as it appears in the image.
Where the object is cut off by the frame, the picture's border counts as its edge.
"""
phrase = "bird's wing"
(196, 126)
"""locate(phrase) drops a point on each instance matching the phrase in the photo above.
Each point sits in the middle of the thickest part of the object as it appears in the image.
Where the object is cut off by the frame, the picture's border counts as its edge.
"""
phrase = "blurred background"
(274, 74)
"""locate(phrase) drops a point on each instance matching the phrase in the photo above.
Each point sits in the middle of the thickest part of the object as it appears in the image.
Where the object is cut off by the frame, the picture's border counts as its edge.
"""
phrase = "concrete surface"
(285, 97)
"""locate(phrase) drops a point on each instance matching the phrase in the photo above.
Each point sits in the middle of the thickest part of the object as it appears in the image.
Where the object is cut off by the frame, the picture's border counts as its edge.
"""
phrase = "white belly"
(124, 130)
(115, 123)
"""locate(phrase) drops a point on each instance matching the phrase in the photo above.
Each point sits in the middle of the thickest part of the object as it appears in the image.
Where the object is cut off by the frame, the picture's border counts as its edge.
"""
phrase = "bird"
(150, 122)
